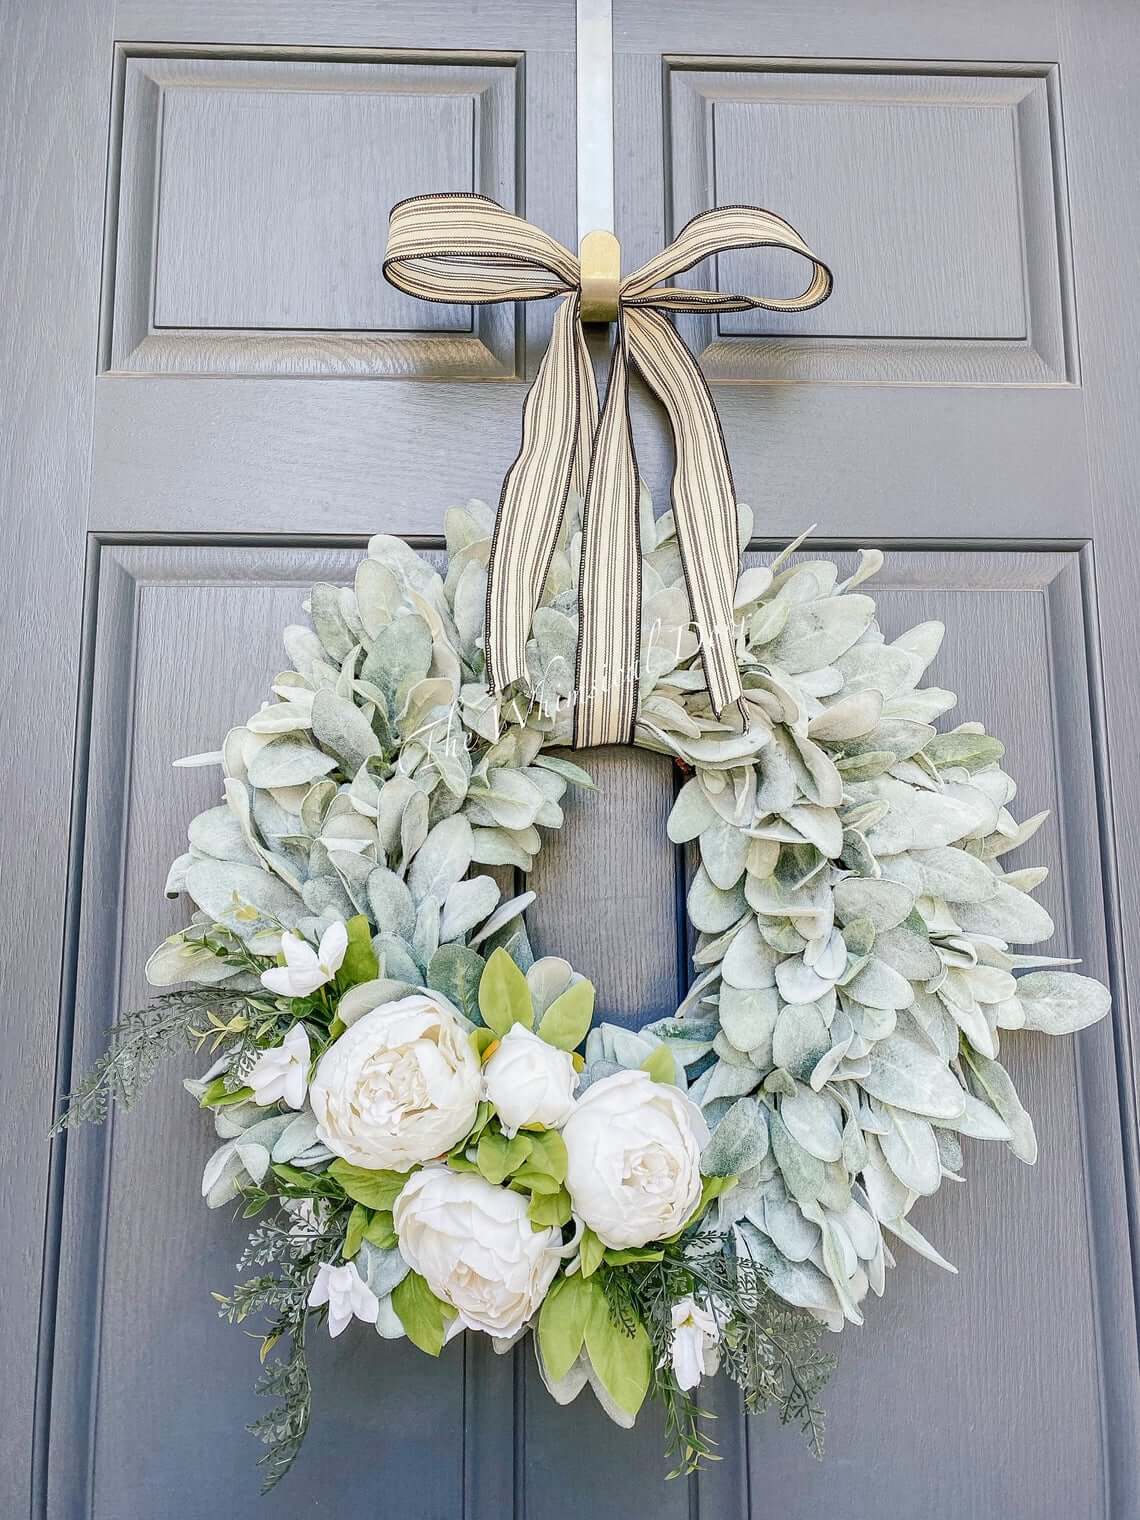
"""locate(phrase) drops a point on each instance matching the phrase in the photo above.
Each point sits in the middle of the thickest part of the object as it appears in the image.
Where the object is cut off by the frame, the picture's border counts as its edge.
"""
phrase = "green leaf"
(483, 1116)
(376, 1190)
(481, 1041)
(529, 1179)
(336, 1028)
(562, 1323)
(548, 1154)
(424, 1317)
(498, 1157)
(216, 1095)
(566, 1023)
(301, 1181)
(358, 1222)
(550, 1209)
(635, 1253)
(381, 1232)
(591, 1250)
(360, 963)
(711, 1187)
(660, 1065)
(504, 997)
(623, 1362)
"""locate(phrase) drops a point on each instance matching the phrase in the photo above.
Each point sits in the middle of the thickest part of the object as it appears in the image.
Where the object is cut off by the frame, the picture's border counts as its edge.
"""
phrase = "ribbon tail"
(532, 504)
(704, 501)
(609, 578)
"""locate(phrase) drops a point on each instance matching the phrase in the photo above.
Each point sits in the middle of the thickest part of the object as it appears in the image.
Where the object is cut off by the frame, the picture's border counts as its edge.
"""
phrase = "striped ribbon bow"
(468, 249)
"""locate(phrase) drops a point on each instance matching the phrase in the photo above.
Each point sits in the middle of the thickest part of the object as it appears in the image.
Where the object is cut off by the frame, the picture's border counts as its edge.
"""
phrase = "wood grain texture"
(346, 25)
(1099, 49)
(1014, 31)
(935, 193)
(252, 198)
(610, 888)
(308, 456)
(52, 140)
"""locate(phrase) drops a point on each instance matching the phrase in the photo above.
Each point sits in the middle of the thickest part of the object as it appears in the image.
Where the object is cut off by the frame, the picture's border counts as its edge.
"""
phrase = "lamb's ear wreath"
(436, 1133)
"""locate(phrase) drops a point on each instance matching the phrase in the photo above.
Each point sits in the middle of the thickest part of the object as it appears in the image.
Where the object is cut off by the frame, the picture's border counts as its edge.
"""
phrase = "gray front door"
(213, 399)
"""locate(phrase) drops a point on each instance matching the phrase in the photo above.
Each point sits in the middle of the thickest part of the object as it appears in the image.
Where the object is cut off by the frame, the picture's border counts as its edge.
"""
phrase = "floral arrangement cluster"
(434, 1135)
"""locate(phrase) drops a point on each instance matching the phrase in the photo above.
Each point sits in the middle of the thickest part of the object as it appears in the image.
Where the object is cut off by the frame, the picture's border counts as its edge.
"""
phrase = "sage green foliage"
(576, 1317)
(360, 963)
(567, 1021)
(375, 1189)
(424, 1317)
(504, 997)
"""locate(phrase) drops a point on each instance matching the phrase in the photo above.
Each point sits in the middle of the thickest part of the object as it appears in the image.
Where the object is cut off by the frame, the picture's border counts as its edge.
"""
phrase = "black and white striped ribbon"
(468, 249)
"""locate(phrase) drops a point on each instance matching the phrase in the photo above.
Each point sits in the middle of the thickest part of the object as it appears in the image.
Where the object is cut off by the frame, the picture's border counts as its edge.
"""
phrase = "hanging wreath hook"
(600, 260)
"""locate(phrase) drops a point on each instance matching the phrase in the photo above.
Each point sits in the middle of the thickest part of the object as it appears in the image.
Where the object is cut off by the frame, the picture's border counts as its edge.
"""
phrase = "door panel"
(251, 204)
(246, 400)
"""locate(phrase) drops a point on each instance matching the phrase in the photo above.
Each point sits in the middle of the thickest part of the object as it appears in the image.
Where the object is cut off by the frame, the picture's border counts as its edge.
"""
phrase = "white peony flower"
(283, 1072)
(306, 969)
(529, 1081)
(634, 1149)
(401, 1085)
(475, 1247)
(692, 1349)
(347, 1294)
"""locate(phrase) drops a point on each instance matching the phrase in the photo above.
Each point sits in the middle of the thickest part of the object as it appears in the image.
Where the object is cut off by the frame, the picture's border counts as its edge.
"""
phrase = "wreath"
(431, 1130)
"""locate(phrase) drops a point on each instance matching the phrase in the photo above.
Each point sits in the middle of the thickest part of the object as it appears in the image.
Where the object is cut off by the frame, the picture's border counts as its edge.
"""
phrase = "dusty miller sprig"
(296, 1245)
(770, 1350)
(139, 1042)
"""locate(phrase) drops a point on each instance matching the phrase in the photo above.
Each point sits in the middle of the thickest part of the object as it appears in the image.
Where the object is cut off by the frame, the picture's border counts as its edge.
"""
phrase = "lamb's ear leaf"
(424, 1317)
(360, 963)
(623, 1362)
(504, 997)
(562, 1323)
(566, 1023)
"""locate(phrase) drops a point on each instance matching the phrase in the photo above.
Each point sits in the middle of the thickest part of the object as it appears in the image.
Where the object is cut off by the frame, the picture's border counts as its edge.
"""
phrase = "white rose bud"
(401, 1085)
(529, 1081)
(476, 1249)
(634, 1149)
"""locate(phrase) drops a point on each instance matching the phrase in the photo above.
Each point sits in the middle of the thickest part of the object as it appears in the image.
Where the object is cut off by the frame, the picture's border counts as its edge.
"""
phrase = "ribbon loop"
(468, 249)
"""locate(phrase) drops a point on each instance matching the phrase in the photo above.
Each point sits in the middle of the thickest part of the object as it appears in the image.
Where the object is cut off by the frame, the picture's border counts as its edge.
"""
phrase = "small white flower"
(306, 969)
(347, 1295)
(529, 1081)
(283, 1072)
(693, 1347)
